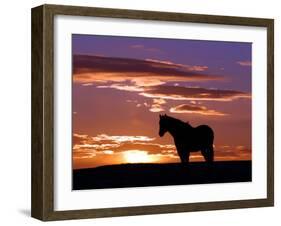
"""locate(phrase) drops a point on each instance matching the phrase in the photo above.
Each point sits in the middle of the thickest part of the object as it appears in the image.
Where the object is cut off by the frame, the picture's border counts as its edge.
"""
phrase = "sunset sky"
(122, 84)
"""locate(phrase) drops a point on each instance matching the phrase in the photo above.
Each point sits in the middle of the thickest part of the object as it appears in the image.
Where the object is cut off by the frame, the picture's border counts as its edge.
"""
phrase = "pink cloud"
(130, 88)
(245, 63)
(137, 46)
(181, 66)
(142, 47)
(195, 109)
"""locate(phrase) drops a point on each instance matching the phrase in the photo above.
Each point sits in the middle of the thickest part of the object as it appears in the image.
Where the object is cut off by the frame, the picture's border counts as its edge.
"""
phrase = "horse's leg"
(180, 152)
(208, 154)
(182, 157)
(211, 154)
(204, 153)
(187, 156)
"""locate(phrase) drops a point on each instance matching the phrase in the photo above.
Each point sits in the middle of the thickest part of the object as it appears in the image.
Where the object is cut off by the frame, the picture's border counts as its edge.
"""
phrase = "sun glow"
(137, 156)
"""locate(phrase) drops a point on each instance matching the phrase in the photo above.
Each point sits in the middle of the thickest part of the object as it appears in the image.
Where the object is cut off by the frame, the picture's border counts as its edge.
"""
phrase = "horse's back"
(204, 128)
(205, 132)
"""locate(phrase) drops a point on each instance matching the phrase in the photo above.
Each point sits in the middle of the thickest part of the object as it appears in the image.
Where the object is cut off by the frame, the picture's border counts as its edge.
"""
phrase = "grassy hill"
(142, 175)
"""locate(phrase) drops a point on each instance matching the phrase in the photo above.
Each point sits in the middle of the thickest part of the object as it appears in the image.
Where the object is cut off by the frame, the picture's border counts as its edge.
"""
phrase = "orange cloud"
(118, 139)
(195, 109)
(115, 144)
(159, 101)
(231, 152)
(108, 152)
(104, 149)
(156, 108)
(157, 105)
(192, 93)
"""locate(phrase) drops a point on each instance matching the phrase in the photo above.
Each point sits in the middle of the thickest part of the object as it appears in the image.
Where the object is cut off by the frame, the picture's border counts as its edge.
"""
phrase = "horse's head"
(162, 125)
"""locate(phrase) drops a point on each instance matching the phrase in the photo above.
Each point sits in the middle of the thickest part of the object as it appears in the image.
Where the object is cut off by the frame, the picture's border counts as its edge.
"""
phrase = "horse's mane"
(178, 121)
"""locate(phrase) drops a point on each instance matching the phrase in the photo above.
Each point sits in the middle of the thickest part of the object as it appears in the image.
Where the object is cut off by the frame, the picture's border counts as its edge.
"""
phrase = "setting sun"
(137, 156)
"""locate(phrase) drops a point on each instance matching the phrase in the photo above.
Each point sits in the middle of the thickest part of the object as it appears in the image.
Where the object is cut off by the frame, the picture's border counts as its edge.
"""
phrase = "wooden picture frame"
(42, 205)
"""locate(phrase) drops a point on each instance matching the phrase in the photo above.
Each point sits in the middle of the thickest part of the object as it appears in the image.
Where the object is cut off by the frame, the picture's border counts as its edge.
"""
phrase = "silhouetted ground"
(142, 175)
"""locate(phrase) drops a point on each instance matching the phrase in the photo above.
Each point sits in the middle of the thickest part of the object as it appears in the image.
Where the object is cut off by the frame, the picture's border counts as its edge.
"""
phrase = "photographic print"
(147, 112)
(157, 112)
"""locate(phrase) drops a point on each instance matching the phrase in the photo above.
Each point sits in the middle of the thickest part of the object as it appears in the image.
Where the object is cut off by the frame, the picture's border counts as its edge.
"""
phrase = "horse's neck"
(177, 130)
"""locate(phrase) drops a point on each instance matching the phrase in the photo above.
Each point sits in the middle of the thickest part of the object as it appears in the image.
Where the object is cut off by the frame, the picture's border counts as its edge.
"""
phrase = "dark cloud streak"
(91, 69)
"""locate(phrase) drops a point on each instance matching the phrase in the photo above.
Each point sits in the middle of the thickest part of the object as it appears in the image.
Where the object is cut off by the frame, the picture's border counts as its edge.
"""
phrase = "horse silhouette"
(187, 138)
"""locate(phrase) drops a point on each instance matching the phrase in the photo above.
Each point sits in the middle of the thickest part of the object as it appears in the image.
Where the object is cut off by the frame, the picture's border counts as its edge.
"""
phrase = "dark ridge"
(143, 175)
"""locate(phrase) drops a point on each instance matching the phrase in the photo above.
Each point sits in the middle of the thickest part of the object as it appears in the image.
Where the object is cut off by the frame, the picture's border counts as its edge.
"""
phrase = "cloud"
(108, 152)
(85, 146)
(97, 69)
(118, 139)
(159, 101)
(103, 147)
(160, 95)
(192, 93)
(245, 63)
(232, 152)
(170, 64)
(240, 147)
(87, 84)
(195, 109)
(148, 49)
(130, 88)
(131, 101)
(157, 105)
(137, 46)
(156, 108)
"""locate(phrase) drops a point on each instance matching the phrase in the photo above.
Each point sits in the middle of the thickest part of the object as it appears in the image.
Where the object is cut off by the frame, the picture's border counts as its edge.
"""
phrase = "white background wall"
(15, 112)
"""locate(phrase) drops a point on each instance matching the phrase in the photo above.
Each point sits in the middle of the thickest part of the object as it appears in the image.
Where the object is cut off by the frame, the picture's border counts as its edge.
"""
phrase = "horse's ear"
(160, 116)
